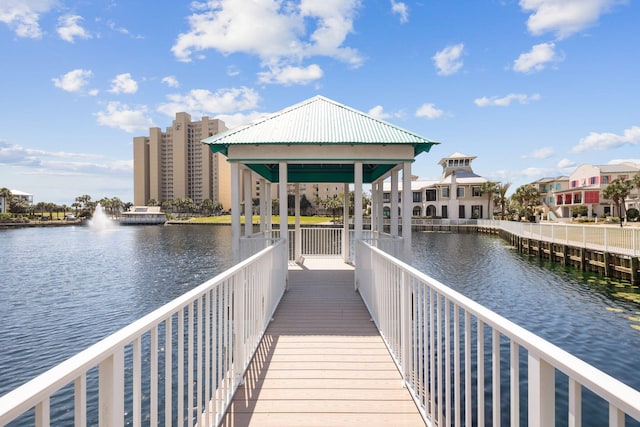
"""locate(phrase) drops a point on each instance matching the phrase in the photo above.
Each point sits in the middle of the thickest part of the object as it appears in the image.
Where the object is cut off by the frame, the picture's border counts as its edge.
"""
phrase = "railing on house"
(620, 240)
(444, 343)
(179, 365)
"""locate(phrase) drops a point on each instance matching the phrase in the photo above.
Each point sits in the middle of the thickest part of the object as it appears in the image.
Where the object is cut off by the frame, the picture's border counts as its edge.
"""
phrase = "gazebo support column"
(394, 204)
(406, 209)
(298, 231)
(357, 200)
(378, 206)
(345, 223)
(357, 209)
(268, 209)
(284, 208)
(235, 211)
(248, 203)
(263, 206)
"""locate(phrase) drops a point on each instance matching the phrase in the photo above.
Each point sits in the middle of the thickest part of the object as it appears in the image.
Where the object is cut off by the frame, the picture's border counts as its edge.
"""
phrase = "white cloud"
(429, 111)
(69, 28)
(505, 101)
(448, 60)
(171, 81)
(123, 83)
(541, 153)
(59, 162)
(73, 81)
(563, 17)
(280, 34)
(535, 172)
(401, 9)
(635, 162)
(291, 75)
(606, 140)
(566, 164)
(120, 116)
(239, 119)
(204, 102)
(537, 58)
(377, 112)
(22, 16)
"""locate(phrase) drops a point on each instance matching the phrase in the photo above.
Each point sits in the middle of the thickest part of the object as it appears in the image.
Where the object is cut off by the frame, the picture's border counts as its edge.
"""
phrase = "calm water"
(63, 289)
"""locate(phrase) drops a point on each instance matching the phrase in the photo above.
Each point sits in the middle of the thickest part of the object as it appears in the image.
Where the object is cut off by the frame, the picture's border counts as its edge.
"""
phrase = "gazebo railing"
(466, 365)
(179, 365)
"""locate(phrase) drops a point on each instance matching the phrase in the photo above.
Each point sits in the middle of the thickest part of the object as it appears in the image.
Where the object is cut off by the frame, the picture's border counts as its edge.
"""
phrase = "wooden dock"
(322, 361)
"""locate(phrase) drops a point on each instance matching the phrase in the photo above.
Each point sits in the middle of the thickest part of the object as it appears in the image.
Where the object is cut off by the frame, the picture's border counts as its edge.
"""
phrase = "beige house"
(174, 164)
(456, 195)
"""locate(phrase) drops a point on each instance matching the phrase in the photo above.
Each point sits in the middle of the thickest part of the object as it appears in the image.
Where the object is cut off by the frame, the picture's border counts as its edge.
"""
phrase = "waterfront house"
(584, 187)
(456, 195)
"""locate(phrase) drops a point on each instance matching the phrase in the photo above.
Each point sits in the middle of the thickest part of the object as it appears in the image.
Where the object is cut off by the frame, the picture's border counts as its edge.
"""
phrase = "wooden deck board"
(322, 361)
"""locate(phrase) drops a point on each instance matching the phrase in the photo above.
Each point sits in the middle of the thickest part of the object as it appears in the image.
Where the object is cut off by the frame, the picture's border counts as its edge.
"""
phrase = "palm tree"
(206, 206)
(116, 206)
(528, 197)
(617, 191)
(489, 188)
(501, 197)
(5, 194)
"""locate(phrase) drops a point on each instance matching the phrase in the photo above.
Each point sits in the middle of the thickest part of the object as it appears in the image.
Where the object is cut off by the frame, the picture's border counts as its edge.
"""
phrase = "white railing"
(179, 365)
(326, 241)
(616, 239)
(444, 343)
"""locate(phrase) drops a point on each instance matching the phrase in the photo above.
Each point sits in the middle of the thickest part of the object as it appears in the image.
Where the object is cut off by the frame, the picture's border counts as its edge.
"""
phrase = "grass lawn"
(226, 219)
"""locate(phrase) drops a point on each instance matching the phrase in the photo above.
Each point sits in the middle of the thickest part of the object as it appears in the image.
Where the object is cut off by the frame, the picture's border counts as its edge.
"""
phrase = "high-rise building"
(175, 165)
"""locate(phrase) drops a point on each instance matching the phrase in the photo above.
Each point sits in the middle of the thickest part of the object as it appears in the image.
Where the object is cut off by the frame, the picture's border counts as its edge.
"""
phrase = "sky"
(533, 88)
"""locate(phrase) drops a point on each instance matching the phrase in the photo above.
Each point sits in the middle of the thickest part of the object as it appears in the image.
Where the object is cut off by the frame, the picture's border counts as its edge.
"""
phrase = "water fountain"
(100, 220)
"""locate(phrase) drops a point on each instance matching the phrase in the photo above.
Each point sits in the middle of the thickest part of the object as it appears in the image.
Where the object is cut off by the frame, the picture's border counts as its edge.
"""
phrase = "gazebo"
(320, 140)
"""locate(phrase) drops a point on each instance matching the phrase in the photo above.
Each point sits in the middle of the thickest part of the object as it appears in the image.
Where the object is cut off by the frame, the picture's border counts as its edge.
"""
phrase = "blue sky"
(533, 88)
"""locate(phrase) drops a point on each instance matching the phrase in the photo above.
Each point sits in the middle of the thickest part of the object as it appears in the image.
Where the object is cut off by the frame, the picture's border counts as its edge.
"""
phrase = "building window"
(417, 211)
(475, 192)
(461, 211)
(417, 196)
(445, 212)
(593, 180)
(445, 191)
(431, 195)
(386, 197)
(460, 192)
(606, 179)
(476, 211)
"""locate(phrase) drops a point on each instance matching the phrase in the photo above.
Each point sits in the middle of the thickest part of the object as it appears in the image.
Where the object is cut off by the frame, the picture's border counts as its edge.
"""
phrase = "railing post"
(111, 390)
(541, 393)
(405, 324)
(240, 284)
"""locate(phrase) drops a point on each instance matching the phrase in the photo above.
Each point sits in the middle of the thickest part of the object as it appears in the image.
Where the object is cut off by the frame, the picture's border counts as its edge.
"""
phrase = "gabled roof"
(322, 139)
(318, 121)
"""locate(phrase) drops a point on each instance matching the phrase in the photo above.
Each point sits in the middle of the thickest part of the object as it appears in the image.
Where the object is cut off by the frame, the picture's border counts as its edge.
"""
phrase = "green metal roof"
(319, 121)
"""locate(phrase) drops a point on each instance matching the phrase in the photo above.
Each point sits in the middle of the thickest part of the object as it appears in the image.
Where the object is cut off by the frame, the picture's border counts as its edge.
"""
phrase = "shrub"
(632, 214)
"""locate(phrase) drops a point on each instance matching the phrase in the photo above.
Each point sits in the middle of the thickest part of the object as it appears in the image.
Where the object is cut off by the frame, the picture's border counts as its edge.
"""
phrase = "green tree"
(5, 194)
(334, 203)
(152, 202)
(527, 197)
(116, 206)
(617, 191)
(305, 204)
(489, 189)
(206, 206)
(84, 201)
(501, 199)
